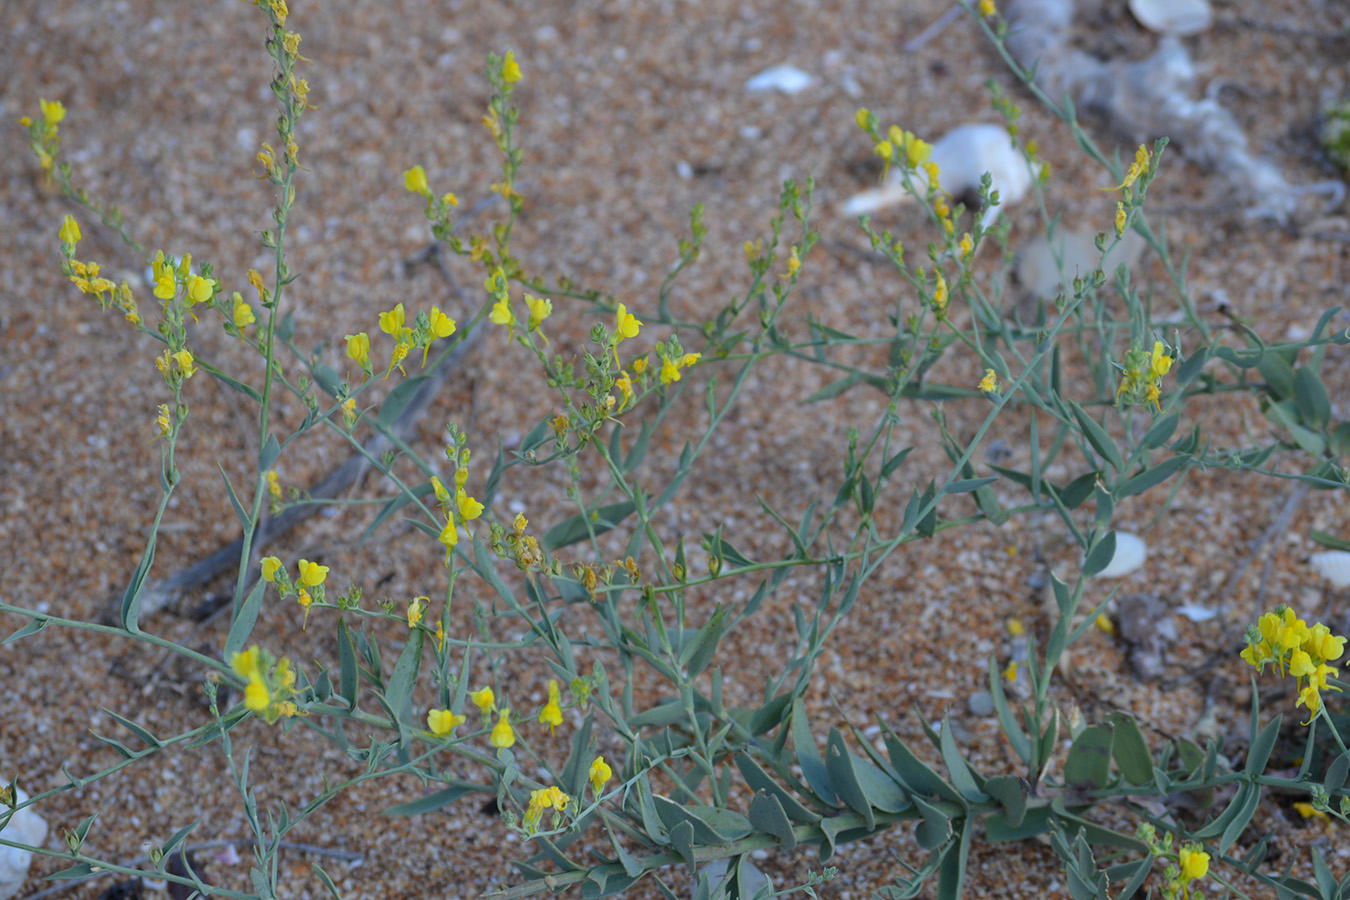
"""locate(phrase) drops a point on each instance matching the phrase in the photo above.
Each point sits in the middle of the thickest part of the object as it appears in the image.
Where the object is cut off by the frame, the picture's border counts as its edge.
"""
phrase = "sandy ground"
(632, 113)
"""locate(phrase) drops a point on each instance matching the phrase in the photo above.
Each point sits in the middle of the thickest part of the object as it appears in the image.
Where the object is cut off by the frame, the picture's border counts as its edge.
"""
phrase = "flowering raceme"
(1281, 638)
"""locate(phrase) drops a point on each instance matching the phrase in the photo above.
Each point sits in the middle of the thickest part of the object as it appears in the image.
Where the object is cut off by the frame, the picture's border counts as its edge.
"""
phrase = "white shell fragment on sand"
(1197, 613)
(1130, 554)
(962, 156)
(1334, 566)
(1175, 17)
(788, 79)
(26, 827)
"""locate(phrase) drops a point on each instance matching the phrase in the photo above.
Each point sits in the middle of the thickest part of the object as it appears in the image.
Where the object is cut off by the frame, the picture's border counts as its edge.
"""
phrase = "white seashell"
(1334, 566)
(26, 827)
(962, 156)
(1130, 554)
(1175, 17)
(788, 79)
(1197, 613)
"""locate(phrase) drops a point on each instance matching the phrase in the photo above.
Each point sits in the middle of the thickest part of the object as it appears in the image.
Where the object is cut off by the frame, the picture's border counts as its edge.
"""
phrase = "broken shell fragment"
(1180, 18)
(1333, 566)
(1130, 554)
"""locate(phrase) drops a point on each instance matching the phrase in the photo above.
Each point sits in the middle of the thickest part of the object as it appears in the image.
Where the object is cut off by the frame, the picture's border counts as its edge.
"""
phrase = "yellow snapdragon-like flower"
(185, 362)
(989, 383)
(987, 8)
(358, 349)
(1120, 219)
(312, 574)
(483, 698)
(416, 608)
(306, 600)
(442, 722)
(1142, 158)
(503, 737)
(415, 180)
(391, 322)
(242, 312)
(966, 247)
(510, 68)
(551, 715)
(600, 773)
(540, 309)
(70, 231)
(163, 421)
(270, 565)
(449, 536)
(626, 325)
(547, 798)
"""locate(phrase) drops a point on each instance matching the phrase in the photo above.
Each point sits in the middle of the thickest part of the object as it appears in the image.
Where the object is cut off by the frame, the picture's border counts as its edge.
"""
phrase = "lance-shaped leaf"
(759, 780)
(1130, 749)
(435, 800)
(808, 756)
(918, 778)
(246, 616)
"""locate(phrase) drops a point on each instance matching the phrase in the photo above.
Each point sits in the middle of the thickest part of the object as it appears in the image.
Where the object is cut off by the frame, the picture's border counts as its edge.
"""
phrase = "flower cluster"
(426, 328)
(547, 798)
(270, 683)
(1283, 639)
(1140, 383)
(515, 543)
(459, 509)
(43, 135)
(86, 277)
(307, 587)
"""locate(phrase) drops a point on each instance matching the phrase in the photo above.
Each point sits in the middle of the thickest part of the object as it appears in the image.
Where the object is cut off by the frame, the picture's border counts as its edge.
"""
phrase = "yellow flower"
(305, 601)
(540, 309)
(312, 574)
(1010, 673)
(449, 536)
(600, 773)
(440, 635)
(915, 150)
(163, 420)
(469, 508)
(1161, 363)
(670, 373)
(52, 111)
(70, 230)
(547, 798)
(358, 348)
(416, 607)
(551, 715)
(246, 664)
(270, 565)
(793, 264)
(863, 117)
(273, 484)
(415, 180)
(1194, 862)
(1308, 811)
(625, 386)
(442, 495)
(1120, 218)
(441, 325)
(501, 315)
(987, 8)
(940, 295)
(1137, 168)
(442, 722)
(510, 68)
(626, 324)
(450, 200)
(184, 360)
(1105, 624)
(639, 365)
(989, 383)
(392, 322)
(199, 289)
(483, 698)
(243, 313)
(502, 736)
(966, 247)
(1016, 628)
(165, 285)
